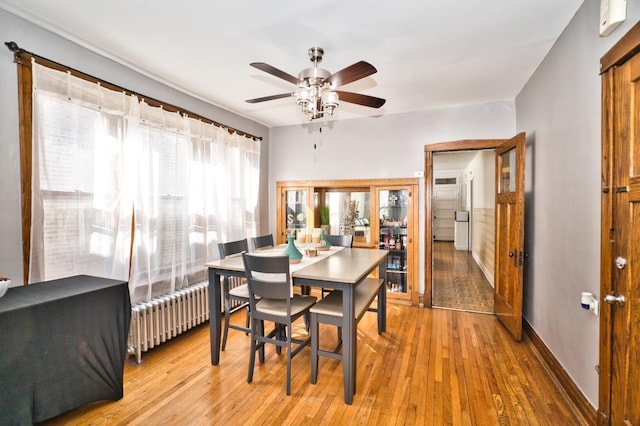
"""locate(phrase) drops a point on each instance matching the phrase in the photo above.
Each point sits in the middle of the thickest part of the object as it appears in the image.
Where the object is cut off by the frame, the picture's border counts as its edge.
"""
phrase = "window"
(446, 181)
(77, 180)
(126, 190)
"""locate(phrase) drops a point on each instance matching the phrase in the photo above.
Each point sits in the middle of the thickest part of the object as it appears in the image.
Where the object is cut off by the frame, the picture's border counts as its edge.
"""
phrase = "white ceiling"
(429, 54)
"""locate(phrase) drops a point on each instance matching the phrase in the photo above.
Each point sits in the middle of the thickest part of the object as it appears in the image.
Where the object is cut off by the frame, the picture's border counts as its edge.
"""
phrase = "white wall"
(384, 147)
(44, 43)
(482, 169)
(483, 238)
(559, 109)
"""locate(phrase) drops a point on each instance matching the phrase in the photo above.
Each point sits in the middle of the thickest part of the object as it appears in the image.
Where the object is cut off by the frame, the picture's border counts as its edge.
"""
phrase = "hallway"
(458, 281)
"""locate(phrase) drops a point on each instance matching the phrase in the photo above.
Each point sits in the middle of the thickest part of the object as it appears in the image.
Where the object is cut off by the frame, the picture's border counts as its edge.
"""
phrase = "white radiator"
(165, 317)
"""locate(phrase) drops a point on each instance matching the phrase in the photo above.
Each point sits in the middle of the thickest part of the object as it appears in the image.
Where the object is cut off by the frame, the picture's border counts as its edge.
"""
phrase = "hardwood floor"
(431, 367)
(458, 281)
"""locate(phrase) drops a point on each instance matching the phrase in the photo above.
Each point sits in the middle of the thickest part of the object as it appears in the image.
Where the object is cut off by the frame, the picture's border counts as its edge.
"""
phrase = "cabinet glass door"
(296, 210)
(393, 205)
(349, 213)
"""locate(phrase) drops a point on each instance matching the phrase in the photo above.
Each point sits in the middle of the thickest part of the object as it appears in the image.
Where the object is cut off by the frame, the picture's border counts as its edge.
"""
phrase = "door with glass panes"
(395, 217)
(294, 211)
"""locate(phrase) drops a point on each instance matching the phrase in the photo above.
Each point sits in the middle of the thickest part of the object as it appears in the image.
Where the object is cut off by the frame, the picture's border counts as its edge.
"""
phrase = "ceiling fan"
(316, 95)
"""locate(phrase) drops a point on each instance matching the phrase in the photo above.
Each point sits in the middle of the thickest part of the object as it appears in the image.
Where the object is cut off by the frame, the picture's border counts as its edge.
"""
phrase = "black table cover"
(62, 344)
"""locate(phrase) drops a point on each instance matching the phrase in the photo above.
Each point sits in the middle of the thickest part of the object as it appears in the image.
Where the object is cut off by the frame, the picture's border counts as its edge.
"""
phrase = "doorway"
(463, 233)
(509, 224)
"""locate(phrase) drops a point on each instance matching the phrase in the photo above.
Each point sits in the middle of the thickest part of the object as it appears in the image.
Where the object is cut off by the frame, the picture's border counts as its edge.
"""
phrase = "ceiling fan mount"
(314, 75)
(315, 54)
(316, 94)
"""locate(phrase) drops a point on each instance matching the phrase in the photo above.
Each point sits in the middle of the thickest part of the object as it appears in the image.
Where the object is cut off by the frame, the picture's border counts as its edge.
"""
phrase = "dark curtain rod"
(18, 51)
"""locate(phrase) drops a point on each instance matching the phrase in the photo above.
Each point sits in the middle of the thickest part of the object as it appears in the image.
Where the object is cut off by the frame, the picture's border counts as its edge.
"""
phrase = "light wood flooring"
(431, 367)
(458, 281)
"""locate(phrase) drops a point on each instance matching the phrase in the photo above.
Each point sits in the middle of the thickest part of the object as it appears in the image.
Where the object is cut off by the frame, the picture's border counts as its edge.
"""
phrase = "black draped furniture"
(63, 344)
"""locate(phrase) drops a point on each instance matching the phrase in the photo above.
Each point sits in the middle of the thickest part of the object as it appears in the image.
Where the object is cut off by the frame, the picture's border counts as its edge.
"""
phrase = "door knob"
(612, 298)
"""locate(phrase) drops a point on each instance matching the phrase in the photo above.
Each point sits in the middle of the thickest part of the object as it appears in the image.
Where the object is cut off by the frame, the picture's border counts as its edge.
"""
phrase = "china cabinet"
(379, 213)
(393, 217)
(293, 208)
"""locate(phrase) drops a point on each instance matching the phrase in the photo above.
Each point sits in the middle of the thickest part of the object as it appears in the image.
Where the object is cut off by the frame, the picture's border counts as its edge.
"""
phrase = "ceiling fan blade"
(360, 99)
(275, 71)
(269, 98)
(351, 73)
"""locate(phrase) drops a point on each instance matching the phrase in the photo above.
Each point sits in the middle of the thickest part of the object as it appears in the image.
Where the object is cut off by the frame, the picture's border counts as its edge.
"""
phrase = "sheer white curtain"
(157, 140)
(105, 163)
(196, 186)
(231, 185)
(80, 221)
(223, 189)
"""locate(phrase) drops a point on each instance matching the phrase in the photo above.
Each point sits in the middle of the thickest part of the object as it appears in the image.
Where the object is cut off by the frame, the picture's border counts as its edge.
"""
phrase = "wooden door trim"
(624, 49)
(426, 299)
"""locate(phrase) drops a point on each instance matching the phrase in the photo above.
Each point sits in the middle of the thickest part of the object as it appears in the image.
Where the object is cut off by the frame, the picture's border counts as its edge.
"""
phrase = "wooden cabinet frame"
(316, 191)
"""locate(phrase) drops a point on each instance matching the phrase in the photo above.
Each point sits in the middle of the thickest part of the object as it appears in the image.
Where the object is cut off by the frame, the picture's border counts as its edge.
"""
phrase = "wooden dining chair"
(271, 298)
(261, 241)
(234, 289)
(340, 240)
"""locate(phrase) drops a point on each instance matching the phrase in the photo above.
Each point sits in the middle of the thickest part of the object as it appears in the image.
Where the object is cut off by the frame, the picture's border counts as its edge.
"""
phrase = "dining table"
(338, 269)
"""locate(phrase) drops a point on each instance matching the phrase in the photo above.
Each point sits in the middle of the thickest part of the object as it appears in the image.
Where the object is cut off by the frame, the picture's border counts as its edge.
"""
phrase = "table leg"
(349, 343)
(214, 315)
(382, 298)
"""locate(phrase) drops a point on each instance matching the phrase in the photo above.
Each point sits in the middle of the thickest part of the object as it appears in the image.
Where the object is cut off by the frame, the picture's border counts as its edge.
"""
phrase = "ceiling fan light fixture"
(317, 96)
(310, 109)
(329, 102)
(303, 99)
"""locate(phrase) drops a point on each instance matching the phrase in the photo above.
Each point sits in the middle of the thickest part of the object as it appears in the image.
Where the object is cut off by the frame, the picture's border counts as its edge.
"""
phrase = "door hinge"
(598, 369)
(522, 257)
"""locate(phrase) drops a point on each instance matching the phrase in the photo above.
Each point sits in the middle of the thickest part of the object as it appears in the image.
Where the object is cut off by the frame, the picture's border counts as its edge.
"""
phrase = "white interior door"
(444, 205)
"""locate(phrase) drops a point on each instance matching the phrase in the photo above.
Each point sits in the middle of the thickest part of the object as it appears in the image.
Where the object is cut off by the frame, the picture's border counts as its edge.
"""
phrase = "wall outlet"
(418, 174)
(589, 302)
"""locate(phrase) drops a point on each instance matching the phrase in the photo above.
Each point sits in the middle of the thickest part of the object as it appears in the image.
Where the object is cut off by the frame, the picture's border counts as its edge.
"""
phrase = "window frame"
(23, 60)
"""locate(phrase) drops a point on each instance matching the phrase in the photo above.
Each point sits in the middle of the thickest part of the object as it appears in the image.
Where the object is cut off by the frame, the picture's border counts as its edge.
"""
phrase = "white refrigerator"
(461, 231)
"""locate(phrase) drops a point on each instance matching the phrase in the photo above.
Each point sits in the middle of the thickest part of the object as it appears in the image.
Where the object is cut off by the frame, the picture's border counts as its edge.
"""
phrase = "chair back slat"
(340, 240)
(232, 248)
(268, 276)
(261, 241)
